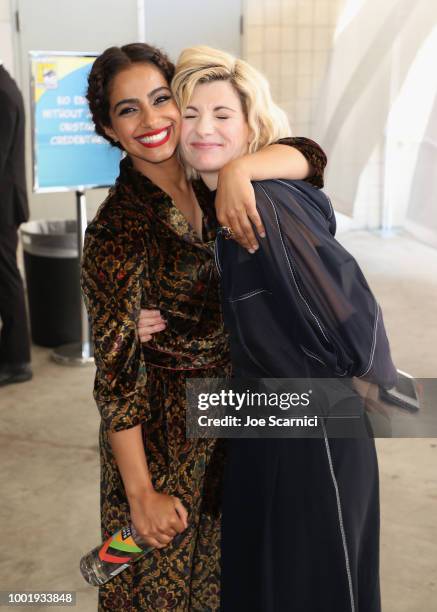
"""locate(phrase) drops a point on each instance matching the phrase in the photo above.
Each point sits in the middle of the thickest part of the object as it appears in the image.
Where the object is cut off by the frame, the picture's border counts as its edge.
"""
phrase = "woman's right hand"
(157, 517)
(150, 322)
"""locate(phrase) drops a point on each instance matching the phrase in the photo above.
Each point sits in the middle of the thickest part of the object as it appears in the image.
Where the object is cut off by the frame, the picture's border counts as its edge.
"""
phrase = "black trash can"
(51, 265)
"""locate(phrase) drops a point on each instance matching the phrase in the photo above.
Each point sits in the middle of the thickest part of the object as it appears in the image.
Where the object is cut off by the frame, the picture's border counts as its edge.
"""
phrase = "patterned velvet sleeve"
(112, 269)
(314, 155)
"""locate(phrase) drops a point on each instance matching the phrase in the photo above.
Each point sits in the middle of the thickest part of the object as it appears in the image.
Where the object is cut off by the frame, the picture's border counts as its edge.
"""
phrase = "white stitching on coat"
(311, 354)
(372, 351)
(340, 519)
(290, 266)
(245, 296)
(331, 209)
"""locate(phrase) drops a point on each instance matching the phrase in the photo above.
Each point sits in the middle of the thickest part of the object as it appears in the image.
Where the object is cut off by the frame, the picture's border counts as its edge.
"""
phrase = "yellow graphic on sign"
(47, 72)
(46, 75)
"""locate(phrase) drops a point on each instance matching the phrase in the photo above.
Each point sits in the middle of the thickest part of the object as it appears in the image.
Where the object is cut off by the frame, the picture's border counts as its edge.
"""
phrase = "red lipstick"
(152, 145)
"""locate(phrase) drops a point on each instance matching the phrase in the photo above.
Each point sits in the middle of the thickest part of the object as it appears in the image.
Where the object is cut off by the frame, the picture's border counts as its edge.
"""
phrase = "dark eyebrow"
(216, 108)
(136, 100)
(155, 91)
(126, 101)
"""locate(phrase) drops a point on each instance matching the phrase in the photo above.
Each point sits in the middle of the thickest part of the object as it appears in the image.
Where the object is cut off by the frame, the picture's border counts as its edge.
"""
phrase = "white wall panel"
(175, 25)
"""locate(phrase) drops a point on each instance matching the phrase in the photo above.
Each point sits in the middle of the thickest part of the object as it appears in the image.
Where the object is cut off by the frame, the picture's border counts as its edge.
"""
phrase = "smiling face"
(214, 129)
(144, 117)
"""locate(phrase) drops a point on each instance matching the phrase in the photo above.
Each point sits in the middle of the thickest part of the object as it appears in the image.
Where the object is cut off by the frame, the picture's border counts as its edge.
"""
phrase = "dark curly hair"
(107, 66)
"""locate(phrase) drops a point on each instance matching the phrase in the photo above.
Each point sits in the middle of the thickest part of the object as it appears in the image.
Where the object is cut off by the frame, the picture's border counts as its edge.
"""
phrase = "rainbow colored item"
(120, 542)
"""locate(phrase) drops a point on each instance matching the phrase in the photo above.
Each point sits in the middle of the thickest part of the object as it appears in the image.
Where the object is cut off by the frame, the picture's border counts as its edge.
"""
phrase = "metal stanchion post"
(78, 353)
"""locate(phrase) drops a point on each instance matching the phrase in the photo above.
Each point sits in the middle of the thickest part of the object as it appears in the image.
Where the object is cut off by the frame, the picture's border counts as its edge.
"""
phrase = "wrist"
(237, 167)
(135, 491)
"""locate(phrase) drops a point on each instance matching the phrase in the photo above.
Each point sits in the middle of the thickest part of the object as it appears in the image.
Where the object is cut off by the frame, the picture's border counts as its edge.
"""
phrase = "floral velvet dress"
(140, 252)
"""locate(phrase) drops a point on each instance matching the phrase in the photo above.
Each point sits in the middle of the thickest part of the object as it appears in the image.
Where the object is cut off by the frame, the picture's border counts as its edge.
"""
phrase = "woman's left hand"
(236, 205)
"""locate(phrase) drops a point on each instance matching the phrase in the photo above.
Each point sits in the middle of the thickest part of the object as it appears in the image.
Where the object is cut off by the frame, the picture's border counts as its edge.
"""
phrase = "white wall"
(174, 25)
(338, 68)
(6, 48)
(369, 63)
(290, 41)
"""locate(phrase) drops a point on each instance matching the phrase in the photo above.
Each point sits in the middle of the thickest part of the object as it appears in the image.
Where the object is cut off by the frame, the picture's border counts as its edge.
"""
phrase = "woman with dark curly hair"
(150, 246)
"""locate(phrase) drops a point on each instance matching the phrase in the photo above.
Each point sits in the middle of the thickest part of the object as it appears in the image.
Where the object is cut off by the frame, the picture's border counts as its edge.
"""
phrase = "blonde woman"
(300, 516)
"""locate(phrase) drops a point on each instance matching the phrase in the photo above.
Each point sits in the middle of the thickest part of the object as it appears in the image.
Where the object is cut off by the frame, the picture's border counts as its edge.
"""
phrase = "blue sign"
(68, 154)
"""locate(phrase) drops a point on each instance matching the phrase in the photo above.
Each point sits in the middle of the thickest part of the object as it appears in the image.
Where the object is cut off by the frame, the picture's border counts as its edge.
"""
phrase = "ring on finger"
(226, 231)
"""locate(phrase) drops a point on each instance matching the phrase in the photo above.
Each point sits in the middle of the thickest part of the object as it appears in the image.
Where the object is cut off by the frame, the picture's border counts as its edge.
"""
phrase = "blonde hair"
(202, 64)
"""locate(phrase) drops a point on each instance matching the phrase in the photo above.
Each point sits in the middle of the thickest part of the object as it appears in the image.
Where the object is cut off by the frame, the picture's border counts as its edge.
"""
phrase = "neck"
(210, 179)
(168, 175)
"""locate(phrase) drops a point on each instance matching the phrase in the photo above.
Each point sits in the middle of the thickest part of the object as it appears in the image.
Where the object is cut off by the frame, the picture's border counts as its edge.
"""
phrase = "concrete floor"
(50, 471)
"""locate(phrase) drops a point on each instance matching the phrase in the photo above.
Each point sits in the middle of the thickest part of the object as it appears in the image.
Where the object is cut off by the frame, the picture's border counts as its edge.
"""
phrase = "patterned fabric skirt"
(184, 577)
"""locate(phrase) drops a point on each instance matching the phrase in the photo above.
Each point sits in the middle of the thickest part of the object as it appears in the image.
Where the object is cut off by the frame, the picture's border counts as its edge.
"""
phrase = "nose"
(204, 125)
(150, 118)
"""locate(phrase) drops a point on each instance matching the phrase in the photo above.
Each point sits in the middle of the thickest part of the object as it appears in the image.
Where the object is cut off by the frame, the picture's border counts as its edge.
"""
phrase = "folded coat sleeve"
(314, 155)
(111, 280)
(320, 285)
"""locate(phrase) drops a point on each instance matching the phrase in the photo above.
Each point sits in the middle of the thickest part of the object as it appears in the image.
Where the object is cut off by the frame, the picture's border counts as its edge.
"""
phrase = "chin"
(159, 154)
(206, 166)
(161, 158)
(153, 159)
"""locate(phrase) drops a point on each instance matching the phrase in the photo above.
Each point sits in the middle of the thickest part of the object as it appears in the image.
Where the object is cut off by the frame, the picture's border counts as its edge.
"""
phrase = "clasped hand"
(157, 517)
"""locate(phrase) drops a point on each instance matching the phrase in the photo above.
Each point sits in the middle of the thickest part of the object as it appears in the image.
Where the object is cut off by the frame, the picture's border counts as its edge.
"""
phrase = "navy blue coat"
(300, 527)
(300, 306)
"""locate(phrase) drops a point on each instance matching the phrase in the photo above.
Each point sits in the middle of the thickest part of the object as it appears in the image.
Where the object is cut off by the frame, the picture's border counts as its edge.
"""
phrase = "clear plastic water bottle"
(119, 551)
